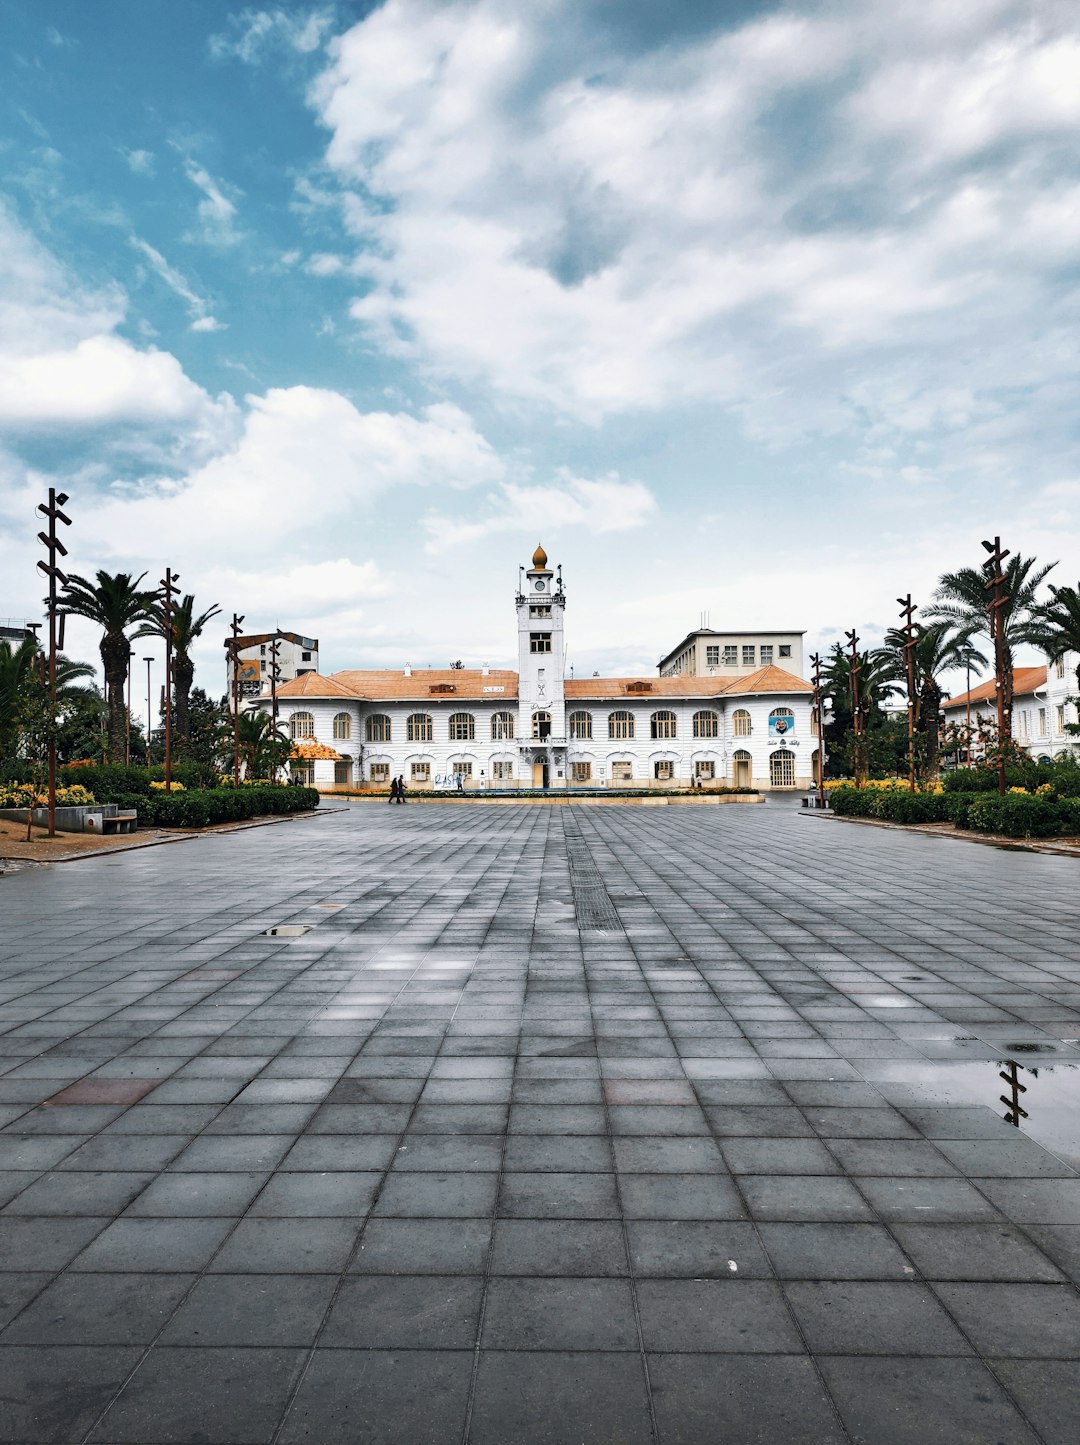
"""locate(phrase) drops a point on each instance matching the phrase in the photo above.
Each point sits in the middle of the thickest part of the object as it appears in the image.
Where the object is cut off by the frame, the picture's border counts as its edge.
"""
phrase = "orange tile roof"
(378, 685)
(1025, 681)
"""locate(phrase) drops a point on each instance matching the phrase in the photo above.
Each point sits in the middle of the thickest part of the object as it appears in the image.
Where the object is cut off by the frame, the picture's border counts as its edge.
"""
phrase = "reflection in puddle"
(1052, 1100)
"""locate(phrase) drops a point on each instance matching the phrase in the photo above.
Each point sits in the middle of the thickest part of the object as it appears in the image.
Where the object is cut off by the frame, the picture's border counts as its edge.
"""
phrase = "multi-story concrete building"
(297, 656)
(707, 653)
(536, 728)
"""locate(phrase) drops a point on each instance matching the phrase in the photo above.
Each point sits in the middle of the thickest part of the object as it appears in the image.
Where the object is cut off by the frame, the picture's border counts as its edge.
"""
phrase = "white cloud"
(824, 221)
(64, 365)
(594, 506)
(143, 163)
(217, 213)
(198, 308)
(253, 34)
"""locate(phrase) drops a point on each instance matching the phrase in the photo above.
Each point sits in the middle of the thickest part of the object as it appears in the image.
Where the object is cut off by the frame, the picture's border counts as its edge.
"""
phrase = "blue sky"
(766, 311)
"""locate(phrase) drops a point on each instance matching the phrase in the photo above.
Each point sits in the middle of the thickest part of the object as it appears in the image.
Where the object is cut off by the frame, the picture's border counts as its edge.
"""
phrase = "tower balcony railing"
(553, 741)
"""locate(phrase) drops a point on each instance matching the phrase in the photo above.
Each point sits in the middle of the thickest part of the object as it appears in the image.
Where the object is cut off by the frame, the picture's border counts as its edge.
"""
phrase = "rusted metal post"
(234, 647)
(168, 587)
(1012, 1103)
(995, 584)
(275, 677)
(52, 544)
(819, 724)
(855, 661)
(910, 630)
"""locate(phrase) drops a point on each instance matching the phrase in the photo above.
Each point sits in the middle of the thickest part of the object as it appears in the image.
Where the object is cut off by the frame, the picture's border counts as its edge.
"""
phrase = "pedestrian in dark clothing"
(401, 788)
(393, 791)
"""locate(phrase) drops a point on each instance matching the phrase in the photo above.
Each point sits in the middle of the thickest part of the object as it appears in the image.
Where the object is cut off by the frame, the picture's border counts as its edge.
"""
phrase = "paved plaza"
(570, 1124)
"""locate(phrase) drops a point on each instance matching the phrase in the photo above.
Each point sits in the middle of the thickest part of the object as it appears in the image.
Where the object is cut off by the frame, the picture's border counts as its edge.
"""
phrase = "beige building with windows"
(707, 653)
(536, 728)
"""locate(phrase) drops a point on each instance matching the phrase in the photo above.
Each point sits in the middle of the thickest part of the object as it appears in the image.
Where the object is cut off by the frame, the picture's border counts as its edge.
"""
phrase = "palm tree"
(939, 648)
(19, 670)
(963, 598)
(1056, 625)
(262, 750)
(186, 627)
(123, 613)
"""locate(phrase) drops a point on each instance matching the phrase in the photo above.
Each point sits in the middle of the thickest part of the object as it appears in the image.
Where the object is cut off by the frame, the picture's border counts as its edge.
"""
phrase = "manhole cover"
(288, 930)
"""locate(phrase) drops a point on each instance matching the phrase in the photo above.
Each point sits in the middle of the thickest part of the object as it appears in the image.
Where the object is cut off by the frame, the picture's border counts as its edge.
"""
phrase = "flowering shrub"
(25, 795)
(160, 787)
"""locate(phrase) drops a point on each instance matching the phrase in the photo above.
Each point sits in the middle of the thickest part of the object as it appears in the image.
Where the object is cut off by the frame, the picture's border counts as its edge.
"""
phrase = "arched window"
(462, 727)
(782, 769)
(342, 727)
(706, 725)
(620, 725)
(781, 722)
(419, 727)
(541, 724)
(378, 728)
(580, 724)
(662, 725)
(740, 723)
(301, 725)
(502, 727)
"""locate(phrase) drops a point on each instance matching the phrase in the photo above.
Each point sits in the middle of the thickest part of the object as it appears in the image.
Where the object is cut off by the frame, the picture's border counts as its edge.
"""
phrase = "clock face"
(540, 586)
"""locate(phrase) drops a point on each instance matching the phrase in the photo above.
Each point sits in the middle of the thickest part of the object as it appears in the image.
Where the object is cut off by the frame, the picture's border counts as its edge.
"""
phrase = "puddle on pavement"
(1052, 1099)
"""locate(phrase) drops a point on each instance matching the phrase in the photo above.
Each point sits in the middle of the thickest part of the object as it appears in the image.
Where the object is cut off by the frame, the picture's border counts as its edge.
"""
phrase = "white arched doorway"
(743, 769)
(782, 769)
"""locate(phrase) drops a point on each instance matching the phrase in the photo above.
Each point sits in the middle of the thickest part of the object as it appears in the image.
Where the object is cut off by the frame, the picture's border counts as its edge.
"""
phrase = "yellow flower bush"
(26, 795)
(174, 787)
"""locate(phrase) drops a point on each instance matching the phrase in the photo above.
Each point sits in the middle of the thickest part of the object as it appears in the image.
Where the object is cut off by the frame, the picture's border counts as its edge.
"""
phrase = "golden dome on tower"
(539, 558)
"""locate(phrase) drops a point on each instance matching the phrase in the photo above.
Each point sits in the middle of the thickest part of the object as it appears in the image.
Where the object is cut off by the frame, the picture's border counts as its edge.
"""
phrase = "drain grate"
(288, 930)
(592, 902)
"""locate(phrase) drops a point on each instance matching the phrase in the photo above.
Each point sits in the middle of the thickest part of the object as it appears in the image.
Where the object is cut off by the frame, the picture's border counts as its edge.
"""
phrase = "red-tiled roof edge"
(1025, 681)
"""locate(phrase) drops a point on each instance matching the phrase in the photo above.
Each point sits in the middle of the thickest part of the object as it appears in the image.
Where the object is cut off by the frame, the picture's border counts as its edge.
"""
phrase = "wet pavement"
(541, 1124)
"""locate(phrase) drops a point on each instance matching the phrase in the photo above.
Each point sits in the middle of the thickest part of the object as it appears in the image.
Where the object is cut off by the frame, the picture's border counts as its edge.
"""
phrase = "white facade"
(535, 728)
(297, 656)
(708, 653)
(1041, 707)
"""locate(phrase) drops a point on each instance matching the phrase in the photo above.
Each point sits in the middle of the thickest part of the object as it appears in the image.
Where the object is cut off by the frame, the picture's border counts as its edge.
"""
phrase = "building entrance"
(540, 774)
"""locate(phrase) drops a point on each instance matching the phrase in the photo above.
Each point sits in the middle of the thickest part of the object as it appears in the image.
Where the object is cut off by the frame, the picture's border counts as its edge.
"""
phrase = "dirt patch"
(43, 849)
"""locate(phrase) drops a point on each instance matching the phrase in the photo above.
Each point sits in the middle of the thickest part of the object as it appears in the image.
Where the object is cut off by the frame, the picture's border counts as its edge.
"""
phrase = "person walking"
(393, 798)
(401, 788)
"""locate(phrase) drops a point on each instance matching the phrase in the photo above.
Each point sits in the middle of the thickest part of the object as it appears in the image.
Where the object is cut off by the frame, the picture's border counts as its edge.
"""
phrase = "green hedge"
(1016, 815)
(200, 807)
(105, 780)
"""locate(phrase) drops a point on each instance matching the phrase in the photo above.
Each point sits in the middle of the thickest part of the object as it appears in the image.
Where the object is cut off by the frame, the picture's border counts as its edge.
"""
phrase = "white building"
(537, 728)
(708, 653)
(1041, 707)
(296, 657)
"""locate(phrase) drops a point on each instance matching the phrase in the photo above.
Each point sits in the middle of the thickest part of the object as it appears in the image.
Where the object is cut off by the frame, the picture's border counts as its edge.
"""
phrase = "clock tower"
(541, 604)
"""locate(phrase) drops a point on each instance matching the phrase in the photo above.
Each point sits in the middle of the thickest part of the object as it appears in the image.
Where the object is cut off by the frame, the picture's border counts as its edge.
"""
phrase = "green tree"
(24, 692)
(940, 648)
(186, 629)
(262, 751)
(963, 599)
(115, 604)
(16, 667)
(1055, 627)
(209, 739)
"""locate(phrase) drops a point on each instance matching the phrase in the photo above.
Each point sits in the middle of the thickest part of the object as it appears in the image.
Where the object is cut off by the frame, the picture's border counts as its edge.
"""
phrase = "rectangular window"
(580, 772)
(664, 770)
(540, 642)
(748, 654)
(343, 772)
(503, 771)
(731, 656)
(766, 654)
(712, 657)
(542, 609)
(785, 649)
(420, 772)
(262, 650)
(1059, 667)
(705, 771)
(380, 772)
(1059, 720)
(463, 770)
(622, 772)
(1042, 722)
(305, 657)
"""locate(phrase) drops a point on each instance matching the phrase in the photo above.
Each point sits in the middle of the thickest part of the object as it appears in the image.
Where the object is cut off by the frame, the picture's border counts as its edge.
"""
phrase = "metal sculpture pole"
(995, 584)
(52, 544)
(234, 648)
(275, 678)
(819, 721)
(855, 667)
(168, 587)
(910, 631)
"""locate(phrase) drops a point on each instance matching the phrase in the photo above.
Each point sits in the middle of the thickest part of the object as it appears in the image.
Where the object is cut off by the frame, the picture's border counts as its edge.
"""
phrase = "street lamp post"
(49, 540)
(127, 727)
(149, 719)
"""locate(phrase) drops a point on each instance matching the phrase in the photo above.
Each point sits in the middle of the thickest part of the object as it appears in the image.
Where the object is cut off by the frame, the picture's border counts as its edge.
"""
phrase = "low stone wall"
(68, 819)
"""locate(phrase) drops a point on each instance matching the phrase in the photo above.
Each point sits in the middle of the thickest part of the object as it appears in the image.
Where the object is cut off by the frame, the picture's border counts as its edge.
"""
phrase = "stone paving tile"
(459, 1165)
